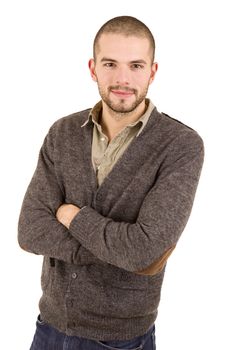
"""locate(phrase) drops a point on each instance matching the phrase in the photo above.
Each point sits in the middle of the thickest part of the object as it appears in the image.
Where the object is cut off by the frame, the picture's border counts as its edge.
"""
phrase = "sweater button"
(74, 275)
(70, 303)
(99, 197)
(71, 324)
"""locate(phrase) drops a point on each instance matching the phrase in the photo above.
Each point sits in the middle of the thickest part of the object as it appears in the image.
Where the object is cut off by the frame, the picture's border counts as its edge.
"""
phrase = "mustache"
(122, 88)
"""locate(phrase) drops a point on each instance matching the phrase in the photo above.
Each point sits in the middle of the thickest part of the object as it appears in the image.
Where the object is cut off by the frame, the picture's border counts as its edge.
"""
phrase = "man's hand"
(66, 213)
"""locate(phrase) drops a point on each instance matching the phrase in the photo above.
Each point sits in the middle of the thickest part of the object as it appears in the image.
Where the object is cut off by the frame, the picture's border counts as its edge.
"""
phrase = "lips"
(122, 93)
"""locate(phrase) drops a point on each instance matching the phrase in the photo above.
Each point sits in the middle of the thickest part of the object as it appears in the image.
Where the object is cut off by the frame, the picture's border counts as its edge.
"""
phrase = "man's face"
(123, 71)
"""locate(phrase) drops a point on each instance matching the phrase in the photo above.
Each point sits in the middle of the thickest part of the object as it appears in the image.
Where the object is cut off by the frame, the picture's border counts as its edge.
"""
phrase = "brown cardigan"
(129, 223)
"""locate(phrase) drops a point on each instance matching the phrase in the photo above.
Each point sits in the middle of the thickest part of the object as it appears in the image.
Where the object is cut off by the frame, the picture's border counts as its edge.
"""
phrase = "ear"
(154, 69)
(91, 65)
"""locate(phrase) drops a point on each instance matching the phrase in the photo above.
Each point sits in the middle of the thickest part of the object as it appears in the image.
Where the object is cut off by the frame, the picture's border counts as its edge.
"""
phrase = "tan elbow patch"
(158, 265)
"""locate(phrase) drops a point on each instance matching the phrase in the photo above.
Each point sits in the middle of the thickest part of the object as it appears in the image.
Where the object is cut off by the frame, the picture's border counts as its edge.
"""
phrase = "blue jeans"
(48, 338)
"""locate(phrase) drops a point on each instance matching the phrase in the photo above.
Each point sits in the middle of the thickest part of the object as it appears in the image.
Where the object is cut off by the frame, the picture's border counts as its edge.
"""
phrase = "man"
(111, 195)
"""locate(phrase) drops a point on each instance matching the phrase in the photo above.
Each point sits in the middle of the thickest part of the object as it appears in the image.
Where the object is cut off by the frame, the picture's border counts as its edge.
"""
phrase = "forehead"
(119, 46)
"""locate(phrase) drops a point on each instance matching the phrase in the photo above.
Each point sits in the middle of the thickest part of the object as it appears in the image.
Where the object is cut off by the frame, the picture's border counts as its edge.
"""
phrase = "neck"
(113, 122)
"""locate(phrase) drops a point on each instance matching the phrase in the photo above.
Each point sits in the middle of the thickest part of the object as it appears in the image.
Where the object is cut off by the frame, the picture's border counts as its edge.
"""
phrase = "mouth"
(122, 93)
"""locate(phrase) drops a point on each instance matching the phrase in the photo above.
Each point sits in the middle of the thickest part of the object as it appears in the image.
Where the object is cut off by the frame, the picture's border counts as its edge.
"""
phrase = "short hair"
(128, 26)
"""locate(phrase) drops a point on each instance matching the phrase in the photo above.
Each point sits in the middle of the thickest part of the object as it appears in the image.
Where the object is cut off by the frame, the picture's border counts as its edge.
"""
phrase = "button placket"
(70, 302)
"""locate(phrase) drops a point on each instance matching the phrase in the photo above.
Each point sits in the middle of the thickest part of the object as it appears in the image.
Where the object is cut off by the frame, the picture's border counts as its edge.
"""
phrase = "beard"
(122, 106)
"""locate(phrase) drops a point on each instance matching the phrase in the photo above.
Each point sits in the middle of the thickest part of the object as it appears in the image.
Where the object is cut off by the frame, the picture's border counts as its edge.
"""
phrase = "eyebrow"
(105, 59)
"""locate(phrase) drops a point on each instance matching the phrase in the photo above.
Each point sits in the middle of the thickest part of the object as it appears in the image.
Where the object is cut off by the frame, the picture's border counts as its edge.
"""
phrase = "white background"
(45, 47)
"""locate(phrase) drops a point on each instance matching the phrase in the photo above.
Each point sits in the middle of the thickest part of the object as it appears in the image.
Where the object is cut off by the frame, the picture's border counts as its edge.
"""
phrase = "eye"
(137, 66)
(109, 64)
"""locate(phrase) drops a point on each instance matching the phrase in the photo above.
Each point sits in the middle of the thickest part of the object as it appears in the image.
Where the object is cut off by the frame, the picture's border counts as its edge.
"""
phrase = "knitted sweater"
(89, 284)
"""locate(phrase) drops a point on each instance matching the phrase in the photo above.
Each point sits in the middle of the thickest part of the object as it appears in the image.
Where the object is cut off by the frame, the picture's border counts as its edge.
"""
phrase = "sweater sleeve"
(39, 231)
(162, 217)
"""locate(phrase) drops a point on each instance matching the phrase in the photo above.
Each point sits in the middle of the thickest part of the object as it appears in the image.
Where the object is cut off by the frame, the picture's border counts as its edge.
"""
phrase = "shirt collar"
(94, 114)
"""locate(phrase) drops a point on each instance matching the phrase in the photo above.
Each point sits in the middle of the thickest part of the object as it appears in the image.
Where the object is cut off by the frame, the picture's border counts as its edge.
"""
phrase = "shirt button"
(74, 275)
(102, 139)
(97, 161)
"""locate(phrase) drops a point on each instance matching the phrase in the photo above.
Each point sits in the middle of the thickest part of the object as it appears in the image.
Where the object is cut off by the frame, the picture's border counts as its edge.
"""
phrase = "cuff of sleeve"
(84, 224)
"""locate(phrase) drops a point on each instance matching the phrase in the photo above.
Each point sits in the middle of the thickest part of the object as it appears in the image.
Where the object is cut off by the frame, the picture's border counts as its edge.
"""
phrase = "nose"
(122, 76)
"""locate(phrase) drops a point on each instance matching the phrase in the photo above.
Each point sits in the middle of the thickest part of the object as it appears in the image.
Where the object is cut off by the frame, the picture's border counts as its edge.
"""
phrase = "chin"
(122, 109)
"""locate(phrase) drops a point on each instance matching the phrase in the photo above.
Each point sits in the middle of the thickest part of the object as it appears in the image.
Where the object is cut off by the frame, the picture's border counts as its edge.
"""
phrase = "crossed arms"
(66, 213)
(50, 227)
